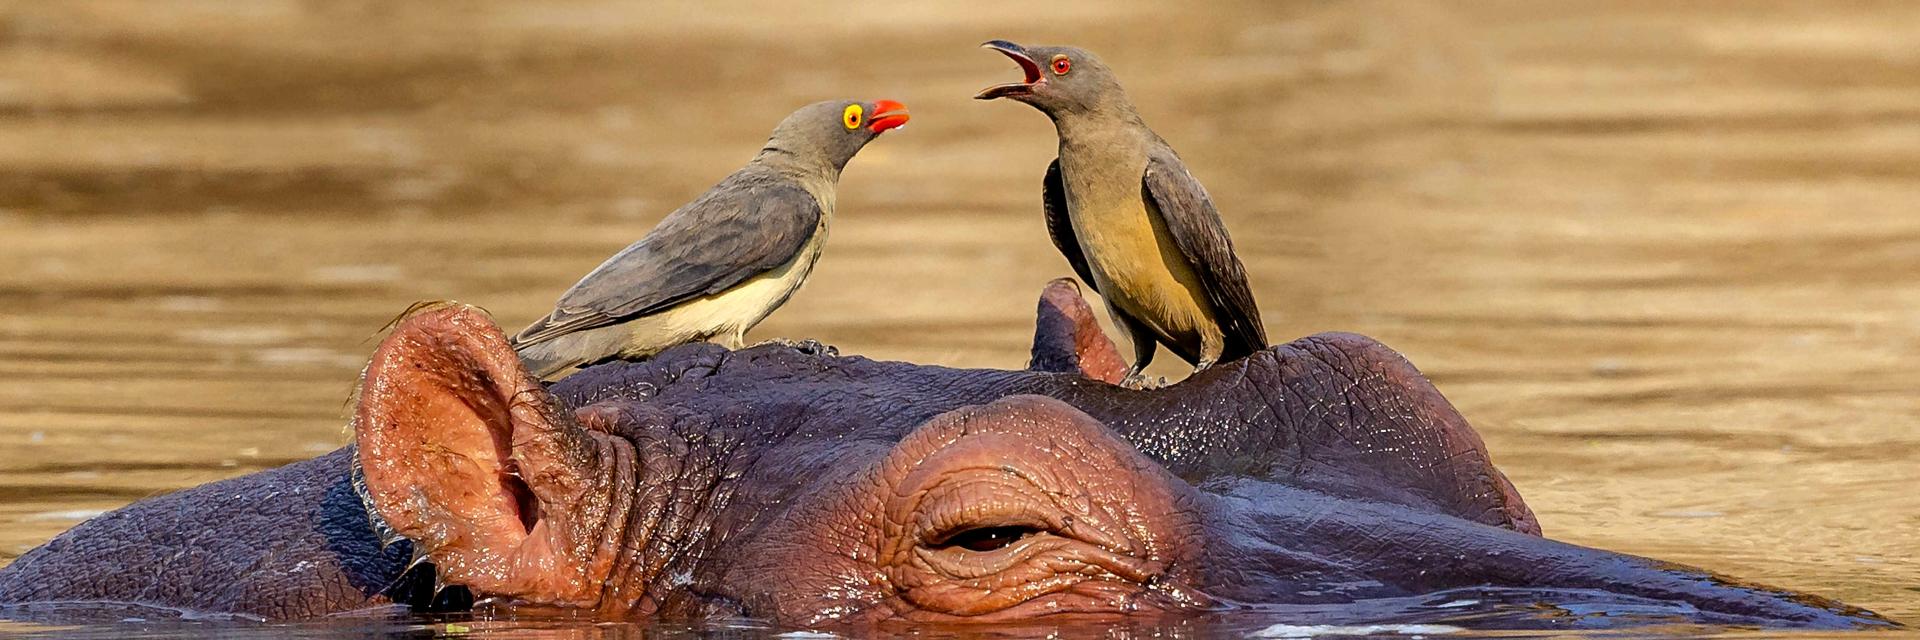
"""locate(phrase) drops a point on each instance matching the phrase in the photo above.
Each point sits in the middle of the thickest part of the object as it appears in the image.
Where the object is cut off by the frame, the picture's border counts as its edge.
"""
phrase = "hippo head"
(785, 482)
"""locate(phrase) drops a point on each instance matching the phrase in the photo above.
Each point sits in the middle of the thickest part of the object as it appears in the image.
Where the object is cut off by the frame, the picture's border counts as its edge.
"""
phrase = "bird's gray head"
(1060, 81)
(826, 135)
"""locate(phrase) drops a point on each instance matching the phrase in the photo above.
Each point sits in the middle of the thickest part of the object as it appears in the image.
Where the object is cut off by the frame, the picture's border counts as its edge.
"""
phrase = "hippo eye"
(985, 539)
(1061, 65)
(852, 116)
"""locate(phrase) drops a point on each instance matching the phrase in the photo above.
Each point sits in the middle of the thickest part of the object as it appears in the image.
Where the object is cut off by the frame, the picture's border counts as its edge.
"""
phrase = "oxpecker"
(717, 266)
(1135, 225)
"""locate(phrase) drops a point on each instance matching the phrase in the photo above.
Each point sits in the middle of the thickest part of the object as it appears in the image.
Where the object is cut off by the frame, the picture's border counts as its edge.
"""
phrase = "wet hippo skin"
(789, 483)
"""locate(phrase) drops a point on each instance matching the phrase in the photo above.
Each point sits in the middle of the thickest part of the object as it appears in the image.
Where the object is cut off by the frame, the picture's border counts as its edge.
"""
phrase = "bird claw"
(809, 346)
(1142, 382)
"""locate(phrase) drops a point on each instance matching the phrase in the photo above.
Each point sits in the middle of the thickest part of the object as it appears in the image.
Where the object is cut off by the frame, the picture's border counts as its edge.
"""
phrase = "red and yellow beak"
(887, 114)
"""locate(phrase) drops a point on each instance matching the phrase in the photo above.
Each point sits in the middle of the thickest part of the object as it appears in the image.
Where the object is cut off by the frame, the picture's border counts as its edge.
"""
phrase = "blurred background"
(1665, 256)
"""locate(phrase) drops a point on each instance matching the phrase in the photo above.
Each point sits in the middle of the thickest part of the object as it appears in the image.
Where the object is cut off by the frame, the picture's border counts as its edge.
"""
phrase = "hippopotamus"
(785, 482)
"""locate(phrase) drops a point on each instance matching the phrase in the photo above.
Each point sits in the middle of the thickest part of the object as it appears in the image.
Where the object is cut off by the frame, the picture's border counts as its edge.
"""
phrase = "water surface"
(1664, 256)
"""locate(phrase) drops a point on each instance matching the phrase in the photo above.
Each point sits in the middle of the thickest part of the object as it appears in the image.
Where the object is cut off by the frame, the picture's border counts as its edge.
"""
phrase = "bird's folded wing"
(1202, 237)
(726, 237)
(1053, 198)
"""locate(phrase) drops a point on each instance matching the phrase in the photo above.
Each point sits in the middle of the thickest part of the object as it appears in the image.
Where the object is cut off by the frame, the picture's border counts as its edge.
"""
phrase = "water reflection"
(1469, 613)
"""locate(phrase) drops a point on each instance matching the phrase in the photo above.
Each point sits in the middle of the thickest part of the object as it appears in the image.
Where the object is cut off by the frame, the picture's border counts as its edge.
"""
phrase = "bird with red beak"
(1132, 221)
(718, 265)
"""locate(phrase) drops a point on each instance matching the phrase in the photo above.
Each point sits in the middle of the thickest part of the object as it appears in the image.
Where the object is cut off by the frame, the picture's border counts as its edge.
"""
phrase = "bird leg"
(1141, 382)
(1144, 348)
(1137, 379)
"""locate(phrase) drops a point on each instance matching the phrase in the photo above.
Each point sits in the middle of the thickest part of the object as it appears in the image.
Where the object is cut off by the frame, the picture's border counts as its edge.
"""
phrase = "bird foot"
(1141, 381)
(810, 347)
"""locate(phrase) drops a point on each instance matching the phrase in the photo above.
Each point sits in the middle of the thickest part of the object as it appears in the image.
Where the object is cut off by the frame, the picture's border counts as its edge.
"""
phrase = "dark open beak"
(1027, 66)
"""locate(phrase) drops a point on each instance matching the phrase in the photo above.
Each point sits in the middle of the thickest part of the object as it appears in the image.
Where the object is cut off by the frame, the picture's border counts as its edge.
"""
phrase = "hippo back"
(283, 543)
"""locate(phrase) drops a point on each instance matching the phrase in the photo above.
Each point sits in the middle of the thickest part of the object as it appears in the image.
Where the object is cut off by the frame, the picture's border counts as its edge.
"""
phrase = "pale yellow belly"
(1139, 270)
(727, 315)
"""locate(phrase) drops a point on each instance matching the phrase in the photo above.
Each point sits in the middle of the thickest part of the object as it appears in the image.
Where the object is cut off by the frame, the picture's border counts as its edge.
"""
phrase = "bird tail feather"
(548, 363)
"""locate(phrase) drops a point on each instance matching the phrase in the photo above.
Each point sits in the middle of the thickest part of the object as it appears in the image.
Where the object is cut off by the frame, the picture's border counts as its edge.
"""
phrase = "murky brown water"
(1665, 256)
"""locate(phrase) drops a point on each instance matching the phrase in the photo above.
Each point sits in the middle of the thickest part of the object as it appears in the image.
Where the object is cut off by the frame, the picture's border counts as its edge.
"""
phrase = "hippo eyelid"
(984, 538)
(1037, 521)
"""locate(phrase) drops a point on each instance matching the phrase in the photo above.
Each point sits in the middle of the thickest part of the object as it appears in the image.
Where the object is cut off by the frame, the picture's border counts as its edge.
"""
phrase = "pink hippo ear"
(1067, 337)
(466, 455)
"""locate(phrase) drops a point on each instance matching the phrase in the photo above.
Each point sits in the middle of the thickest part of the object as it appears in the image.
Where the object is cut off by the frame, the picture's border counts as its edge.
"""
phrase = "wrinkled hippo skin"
(789, 483)
(283, 543)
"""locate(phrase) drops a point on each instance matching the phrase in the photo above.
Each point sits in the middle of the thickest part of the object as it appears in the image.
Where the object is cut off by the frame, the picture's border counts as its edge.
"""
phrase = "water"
(1663, 256)
(1511, 613)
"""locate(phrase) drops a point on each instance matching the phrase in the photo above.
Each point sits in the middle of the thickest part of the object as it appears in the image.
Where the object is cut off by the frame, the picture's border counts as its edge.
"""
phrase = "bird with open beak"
(717, 266)
(1132, 221)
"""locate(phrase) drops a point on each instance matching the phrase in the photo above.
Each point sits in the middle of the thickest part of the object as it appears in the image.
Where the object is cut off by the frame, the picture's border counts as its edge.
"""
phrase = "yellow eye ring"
(852, 116)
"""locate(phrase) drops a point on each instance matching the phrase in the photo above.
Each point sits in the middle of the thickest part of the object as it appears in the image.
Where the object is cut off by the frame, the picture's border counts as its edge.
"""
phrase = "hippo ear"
(466, 455)
(1067, 337)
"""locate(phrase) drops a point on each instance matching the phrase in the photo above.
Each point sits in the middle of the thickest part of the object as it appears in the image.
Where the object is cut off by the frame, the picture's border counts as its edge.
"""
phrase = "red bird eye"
(1061, 66)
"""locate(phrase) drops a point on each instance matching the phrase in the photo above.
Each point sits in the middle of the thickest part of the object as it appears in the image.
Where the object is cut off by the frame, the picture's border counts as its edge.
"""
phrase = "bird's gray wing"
(1202, 238)
(730, 234)
(1053, 196)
